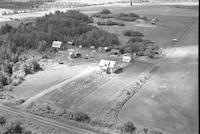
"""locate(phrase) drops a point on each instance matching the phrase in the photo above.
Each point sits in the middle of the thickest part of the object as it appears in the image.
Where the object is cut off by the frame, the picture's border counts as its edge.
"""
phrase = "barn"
(58, 45)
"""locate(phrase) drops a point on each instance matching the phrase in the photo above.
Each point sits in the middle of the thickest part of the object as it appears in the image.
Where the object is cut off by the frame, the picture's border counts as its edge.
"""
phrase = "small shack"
(70, 43)
(58, 45)
(107, 66)
(73, 55)
(127, 58)
(114, 52)
(140, 21)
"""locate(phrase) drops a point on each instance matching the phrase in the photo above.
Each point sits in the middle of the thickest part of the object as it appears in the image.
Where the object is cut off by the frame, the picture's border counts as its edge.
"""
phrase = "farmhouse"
(58, 45)
(107, 66)
(127, 58)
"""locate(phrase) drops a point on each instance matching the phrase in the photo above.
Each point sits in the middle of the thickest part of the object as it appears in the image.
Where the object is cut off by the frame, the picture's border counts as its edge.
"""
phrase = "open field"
(46, 79)
(168, 101)
(85, 93)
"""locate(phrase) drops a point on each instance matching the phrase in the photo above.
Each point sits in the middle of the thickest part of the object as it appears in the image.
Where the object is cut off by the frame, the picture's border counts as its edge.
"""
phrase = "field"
(168, 101)
(85, 93)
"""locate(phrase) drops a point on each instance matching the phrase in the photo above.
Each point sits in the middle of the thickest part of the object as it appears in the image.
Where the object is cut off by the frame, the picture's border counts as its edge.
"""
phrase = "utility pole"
(131, 2)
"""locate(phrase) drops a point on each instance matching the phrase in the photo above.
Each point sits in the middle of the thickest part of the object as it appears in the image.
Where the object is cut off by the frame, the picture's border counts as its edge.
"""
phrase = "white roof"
(108, 63)
(56, 44)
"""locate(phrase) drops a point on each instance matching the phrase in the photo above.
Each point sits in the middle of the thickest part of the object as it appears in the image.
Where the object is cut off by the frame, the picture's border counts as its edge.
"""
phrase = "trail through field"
(86, 71)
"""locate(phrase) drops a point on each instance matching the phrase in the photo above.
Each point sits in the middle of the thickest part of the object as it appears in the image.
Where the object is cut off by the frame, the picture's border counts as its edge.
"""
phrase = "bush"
(133, 15)
(30, 67)
(132, 33)
(105, 11)
(110, 23)
(42, 46)
(144, 18)
(27, 68)
(14, 128)
(102, 16)
(7, 67)
(127, 17)
(2, 120)
(3, 79)
(101, 23)
(135, 39)
(6, 29)
(35, 66)
(128, 127)
(81, 117)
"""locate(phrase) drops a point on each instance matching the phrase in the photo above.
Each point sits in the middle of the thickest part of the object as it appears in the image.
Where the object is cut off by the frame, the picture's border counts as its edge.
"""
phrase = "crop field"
(94, 94)
(45, 79)
(169, 27)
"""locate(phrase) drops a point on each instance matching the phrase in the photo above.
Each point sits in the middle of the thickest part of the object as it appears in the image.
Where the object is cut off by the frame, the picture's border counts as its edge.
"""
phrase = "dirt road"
(169, 100)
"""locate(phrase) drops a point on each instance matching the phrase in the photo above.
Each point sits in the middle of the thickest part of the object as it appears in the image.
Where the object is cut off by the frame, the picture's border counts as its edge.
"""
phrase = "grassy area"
(20, 5)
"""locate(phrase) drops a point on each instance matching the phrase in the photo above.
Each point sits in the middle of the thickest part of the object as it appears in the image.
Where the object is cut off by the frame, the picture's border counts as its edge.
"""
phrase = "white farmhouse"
(107, 66)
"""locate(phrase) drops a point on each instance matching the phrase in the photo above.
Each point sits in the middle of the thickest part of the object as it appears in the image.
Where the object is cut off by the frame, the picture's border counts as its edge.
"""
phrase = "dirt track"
(169, 100)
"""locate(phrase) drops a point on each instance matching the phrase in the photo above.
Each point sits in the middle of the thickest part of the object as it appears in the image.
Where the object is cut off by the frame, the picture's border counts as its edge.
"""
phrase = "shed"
(153, 22)
(70, 42)
(127, 57)
(75, 55)
(140, 21)
(107, 66)
(114, 52)
(58, 45)
(92, 47)
(175, 40)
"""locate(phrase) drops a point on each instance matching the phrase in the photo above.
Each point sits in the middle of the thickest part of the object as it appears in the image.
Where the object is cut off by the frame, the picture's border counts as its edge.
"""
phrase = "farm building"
(70, 43)
(140, 21)
(107, 66)
(127, 58)
(114, 52)
(58, 45)
(75, 55)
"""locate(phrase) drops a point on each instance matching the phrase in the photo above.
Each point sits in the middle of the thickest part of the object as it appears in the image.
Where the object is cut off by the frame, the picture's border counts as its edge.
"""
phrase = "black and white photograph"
(99, 66)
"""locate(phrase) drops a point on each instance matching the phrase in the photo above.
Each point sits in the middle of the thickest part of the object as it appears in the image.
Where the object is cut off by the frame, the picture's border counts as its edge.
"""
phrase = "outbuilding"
(127, 57)
(70, 43)
(114, 52)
